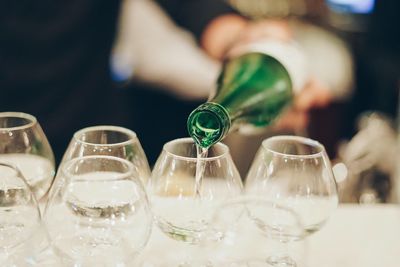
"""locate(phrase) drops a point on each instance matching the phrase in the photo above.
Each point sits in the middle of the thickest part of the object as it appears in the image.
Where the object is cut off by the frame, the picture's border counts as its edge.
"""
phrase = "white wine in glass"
(24, 144)
(182, 201)
(20, 220)
(99, 214)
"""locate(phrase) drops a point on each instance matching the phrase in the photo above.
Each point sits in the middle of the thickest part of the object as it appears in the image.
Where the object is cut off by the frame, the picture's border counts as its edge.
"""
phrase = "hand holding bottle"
(228, 34)
(313, 95)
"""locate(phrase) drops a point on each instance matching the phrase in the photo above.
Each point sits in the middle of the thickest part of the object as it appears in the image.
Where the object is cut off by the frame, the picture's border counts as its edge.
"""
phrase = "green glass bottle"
(252, 90)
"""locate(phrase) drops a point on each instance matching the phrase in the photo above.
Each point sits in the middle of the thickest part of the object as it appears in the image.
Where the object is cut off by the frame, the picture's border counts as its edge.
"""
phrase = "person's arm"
(151, 48)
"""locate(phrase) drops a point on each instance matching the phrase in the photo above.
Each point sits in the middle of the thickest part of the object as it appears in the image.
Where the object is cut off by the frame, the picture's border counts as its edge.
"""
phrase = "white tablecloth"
(354, 236)
(358, 236)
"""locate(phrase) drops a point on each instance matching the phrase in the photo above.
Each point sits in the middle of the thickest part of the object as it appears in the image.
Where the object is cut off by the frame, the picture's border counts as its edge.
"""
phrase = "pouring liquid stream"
(202, 154)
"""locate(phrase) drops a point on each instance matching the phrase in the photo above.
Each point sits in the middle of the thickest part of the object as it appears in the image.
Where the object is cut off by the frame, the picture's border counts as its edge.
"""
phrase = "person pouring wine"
(264, 71)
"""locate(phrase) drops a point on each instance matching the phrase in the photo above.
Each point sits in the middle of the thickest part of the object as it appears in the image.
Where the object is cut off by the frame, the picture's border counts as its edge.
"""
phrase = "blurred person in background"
(327, 82)
(55, 64)
(352, 46)
(215, 25)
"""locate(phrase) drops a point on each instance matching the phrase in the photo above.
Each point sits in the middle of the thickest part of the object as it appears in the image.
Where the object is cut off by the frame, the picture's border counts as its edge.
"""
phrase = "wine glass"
(238, 223)
(98, 214)
(184, 189)
(295, 173)
(24, 144)
(20, 221)
(109, 141)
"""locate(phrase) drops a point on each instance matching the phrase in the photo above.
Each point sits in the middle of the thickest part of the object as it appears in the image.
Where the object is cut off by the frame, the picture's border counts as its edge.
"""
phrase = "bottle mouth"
(185, 149)
(208, 124)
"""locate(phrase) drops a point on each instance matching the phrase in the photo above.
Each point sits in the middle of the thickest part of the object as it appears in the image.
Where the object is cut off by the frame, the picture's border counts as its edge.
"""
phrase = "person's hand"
(225, 36)
(313, 95)
(226, 33)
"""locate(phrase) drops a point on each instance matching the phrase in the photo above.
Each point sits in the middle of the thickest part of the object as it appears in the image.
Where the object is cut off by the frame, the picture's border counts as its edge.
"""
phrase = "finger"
(220, 33)
(323, 96)
(313, 95)
(305, 99)
(292, 120)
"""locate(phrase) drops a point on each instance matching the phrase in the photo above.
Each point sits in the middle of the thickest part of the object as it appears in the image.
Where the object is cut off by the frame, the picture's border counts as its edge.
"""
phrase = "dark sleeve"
(54, 64)
(381, 58)
(194, 15)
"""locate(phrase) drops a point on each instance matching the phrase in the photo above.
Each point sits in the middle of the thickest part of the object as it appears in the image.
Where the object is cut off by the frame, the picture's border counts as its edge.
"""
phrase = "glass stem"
(281, 257)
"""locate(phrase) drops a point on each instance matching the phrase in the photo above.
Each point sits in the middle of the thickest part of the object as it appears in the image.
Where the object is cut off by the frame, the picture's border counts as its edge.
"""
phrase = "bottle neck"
(208, 124)
(253, 88)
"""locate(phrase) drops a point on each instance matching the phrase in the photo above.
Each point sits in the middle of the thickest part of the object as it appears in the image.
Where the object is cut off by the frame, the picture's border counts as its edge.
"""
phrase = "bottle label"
(289, 54)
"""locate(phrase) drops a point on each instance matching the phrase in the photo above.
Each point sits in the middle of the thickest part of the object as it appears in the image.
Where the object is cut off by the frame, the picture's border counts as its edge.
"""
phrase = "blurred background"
(145, 65)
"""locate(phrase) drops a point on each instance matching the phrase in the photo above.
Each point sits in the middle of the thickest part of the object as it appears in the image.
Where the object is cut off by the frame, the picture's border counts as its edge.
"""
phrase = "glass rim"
(300, 139)
(113, 128)
(119, 176)
(194, 159)
(21, 115)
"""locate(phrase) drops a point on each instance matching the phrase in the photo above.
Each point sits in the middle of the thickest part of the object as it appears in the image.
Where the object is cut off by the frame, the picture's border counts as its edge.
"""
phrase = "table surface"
(358, 236)
(354, 236)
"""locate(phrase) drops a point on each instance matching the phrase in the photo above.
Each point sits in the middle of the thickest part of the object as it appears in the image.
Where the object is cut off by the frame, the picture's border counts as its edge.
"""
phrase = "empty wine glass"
(20, 221)
(98, 213)
(239, 221)
(24, 144)
(109, 141)
(294, 173)
(183, 202)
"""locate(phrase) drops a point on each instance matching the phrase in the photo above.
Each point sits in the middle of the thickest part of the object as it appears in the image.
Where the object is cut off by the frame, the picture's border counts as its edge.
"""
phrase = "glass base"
(272, 261)
(195, 264)
(281, 261)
